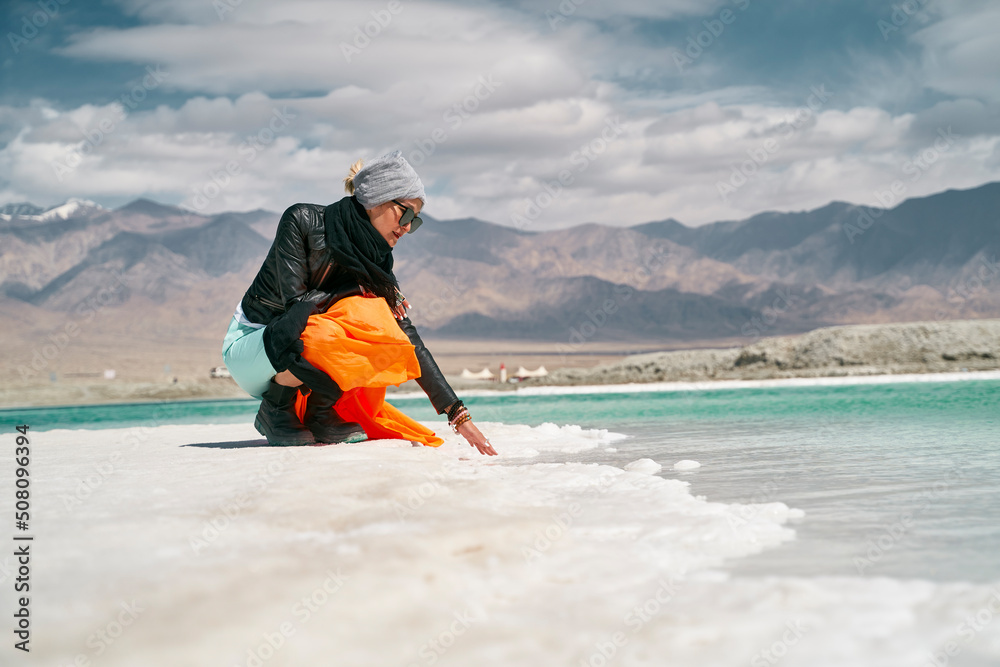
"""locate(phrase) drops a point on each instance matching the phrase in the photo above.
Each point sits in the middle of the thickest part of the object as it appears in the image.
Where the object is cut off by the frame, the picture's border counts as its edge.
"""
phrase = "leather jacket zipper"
(279, 307)
(270, 304)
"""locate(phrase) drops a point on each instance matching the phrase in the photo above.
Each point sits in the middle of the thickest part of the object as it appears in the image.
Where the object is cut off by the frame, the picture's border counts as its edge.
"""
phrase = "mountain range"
(160, 272)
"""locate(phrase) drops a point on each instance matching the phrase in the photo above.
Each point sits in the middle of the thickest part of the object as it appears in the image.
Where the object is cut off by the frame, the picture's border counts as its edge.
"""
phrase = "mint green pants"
(244, 356)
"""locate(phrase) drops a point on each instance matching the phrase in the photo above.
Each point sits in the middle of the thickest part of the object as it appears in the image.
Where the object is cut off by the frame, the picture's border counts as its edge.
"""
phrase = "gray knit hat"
(386, 178)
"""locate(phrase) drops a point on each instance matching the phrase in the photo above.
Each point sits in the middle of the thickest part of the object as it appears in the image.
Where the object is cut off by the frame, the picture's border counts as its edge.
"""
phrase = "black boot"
(324, 422)
(276, 418)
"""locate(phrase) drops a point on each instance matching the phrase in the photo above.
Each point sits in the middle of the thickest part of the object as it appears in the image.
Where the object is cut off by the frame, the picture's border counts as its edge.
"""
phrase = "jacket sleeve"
(431, 378)
(290, 252)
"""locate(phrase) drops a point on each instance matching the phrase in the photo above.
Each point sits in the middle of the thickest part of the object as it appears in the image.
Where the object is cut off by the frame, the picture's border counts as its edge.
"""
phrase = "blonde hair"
(349, 179)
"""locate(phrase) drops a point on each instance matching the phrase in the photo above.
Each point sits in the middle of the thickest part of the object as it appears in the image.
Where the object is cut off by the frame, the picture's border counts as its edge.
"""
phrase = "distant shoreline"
(913, 349)
(630, 388)
(713, 385)
(847, 355)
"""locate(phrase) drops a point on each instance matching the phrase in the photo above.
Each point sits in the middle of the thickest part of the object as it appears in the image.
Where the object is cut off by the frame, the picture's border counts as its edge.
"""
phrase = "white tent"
(484, 374)
(523, 372)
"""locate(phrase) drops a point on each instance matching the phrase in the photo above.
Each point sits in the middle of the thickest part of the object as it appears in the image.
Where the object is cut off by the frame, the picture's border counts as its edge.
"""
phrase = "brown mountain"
(158, 272)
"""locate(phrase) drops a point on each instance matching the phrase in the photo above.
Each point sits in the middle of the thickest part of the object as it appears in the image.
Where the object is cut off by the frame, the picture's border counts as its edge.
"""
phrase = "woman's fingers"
(484, 448)
(476, 439)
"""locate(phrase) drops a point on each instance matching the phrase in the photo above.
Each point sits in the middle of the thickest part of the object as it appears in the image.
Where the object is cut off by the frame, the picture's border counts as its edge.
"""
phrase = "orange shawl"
(358, 343)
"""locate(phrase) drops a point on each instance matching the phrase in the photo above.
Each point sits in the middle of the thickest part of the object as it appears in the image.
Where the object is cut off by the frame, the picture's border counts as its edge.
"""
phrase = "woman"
(321, 277)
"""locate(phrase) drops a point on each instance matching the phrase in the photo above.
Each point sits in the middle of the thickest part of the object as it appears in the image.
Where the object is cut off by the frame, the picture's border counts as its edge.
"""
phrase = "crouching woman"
(322, 330)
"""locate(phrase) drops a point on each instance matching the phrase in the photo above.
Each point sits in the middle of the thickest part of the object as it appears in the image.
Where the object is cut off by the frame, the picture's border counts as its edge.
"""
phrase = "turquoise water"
(126, 415)
(895, 479)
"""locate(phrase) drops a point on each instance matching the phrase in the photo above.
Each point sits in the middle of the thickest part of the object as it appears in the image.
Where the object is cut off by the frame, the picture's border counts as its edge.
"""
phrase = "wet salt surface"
(883, 499)
(383, 553)
(906, 472)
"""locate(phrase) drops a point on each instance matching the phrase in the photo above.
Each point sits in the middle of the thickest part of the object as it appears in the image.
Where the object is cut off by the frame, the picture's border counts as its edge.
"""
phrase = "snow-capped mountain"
(19, 209)
(72, 208)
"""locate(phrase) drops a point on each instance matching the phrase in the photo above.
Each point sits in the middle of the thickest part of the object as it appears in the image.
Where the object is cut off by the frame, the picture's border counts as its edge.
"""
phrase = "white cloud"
(555, 11)
(961, 51)
(491, 104)
(425, 50)
(967, 117)
(182, 11)
(492, 164)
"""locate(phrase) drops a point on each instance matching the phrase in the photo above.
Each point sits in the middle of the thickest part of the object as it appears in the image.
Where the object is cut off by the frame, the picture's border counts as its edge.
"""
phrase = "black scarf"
(359, 249)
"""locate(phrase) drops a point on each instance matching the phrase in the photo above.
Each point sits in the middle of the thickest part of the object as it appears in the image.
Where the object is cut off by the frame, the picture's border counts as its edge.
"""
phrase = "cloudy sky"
(537, 114)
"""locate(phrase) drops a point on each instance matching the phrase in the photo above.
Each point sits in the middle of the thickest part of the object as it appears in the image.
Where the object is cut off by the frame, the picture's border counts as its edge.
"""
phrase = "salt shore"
(198, 545)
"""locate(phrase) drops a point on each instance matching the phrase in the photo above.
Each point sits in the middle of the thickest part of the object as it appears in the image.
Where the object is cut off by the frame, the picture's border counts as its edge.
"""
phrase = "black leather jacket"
(299, 267)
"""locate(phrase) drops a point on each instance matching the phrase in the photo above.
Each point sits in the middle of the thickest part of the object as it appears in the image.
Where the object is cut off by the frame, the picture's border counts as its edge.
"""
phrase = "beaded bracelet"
(458, 416)
(465, 417)
(454, 410)
(461, 413)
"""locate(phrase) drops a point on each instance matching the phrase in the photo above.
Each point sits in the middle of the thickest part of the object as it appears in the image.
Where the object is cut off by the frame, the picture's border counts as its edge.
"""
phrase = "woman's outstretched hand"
(476, 438)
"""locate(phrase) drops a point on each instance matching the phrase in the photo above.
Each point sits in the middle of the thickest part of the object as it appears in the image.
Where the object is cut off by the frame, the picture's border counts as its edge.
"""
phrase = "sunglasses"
(409, 217)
